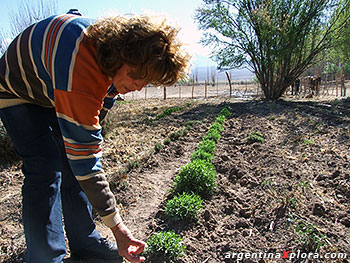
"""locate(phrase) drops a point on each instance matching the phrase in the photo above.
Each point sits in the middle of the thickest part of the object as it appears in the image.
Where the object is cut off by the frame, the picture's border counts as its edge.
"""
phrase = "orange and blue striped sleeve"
(80, 90)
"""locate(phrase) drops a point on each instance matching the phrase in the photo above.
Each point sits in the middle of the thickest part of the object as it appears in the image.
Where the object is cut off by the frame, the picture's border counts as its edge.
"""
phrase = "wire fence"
(244, 90)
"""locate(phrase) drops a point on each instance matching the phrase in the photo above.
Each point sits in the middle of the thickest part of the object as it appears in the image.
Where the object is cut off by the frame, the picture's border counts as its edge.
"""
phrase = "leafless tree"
(3, 42)
(25, 14)
(29, 12)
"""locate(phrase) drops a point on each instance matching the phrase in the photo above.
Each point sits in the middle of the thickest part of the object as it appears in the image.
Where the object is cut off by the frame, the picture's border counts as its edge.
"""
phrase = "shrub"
(184, 207)
(167, 245)
(201, 155)
(198, 176)
(255, 137)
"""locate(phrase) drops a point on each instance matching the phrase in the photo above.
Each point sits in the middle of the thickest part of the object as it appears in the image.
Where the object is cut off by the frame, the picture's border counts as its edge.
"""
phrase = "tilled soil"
(267, 192)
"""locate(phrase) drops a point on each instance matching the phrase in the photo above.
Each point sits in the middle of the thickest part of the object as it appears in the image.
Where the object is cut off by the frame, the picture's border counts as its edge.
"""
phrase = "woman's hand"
(128, 246)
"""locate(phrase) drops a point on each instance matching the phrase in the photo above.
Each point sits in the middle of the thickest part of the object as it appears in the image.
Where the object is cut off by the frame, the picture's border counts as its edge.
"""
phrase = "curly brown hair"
(151, 49)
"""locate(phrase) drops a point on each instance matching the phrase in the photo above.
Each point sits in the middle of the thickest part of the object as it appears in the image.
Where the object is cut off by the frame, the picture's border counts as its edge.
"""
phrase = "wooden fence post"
(192, 88)
(217, 88)
(164, 89)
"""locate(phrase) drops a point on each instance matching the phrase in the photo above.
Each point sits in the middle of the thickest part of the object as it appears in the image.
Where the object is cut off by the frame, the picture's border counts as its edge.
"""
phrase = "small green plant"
(190, 123)
(207, 146)
(157, 147)
(213, 135)
(308, 142)
(198, 176)
(165, 245)
(309, 237)
(168, 112)
(268, 183)
(225, 112)
(202, 155)
(131, 165)
(289, 201)
(220, 119)
(305, 184)
(216, 126)
(184, 207)
(255, 137)
(175, 135)
(167, 141)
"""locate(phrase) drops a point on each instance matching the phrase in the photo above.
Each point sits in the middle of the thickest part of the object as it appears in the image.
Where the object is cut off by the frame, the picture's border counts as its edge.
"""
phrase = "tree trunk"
(229, 82)
(342, 82)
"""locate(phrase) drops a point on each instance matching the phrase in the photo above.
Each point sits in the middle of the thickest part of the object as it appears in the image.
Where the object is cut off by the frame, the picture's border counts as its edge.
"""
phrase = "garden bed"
(289, 192)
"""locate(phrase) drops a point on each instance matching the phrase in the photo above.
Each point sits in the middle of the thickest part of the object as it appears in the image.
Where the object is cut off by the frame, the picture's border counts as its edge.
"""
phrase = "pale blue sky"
(180, 12)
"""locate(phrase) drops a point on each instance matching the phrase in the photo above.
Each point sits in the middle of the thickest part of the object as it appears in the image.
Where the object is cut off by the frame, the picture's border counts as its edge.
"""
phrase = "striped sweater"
(53, 64)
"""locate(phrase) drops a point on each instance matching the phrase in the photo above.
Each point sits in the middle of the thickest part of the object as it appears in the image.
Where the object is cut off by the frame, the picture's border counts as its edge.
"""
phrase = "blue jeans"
(50, 190)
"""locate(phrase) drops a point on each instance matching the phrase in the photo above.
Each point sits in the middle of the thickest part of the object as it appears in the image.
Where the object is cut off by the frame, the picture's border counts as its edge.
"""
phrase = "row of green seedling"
(195, 181)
